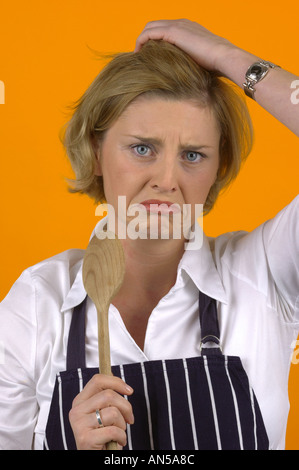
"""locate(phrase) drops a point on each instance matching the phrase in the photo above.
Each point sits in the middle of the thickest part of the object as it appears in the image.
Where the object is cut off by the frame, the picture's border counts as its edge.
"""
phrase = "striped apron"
(198, 403)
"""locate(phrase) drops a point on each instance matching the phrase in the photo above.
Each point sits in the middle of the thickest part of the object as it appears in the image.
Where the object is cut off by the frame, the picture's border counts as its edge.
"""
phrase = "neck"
(151, 270)
(151, 266)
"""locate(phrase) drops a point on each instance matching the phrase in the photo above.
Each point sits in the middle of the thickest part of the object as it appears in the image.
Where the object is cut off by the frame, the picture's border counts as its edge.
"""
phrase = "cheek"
(198, 189)
(118, 180)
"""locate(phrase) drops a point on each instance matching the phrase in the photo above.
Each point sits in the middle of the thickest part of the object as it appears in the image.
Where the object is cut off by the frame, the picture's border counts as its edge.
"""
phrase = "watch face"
(256, 71)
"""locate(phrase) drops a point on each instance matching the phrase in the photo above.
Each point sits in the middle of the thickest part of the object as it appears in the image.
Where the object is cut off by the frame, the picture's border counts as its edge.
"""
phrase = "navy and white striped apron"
(198, 403)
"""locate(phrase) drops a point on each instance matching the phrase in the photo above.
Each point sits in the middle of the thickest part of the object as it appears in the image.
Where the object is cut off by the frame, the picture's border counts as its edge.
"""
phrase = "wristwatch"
(255, 74)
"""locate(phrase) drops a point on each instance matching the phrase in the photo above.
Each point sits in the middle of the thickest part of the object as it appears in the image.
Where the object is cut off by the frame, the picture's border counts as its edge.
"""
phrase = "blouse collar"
(197, 263)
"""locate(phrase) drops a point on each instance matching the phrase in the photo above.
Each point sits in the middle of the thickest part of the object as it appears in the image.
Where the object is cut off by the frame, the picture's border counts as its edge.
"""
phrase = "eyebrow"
(155, 141)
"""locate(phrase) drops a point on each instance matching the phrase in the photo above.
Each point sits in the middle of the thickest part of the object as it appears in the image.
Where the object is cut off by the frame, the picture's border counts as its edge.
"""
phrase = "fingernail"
(129, 389)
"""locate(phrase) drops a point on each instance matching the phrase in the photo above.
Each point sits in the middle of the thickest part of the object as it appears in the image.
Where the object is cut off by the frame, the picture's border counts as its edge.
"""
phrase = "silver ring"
(99, 419)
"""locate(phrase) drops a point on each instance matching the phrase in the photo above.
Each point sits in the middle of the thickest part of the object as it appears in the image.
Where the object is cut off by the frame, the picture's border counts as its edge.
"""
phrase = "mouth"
(160, 207)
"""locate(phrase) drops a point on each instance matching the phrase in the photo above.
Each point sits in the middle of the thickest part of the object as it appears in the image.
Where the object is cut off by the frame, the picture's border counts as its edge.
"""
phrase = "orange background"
(46, 63)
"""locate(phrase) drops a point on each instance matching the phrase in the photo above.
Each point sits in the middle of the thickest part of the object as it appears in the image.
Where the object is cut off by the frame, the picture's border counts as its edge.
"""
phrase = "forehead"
(187, 118)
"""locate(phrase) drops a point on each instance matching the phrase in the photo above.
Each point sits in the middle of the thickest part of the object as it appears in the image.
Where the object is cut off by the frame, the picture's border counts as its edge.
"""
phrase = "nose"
(165, 177)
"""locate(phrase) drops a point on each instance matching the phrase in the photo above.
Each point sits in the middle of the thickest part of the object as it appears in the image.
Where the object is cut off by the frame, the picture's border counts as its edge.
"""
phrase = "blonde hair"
(158, 69)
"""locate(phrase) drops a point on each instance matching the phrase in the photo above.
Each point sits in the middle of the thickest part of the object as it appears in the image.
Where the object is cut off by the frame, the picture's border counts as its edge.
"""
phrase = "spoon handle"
(103, 341)
(112, 445)
(104, 354)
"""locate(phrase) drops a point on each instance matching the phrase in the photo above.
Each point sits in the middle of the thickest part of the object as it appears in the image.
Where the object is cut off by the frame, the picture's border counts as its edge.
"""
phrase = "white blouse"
(254, 277)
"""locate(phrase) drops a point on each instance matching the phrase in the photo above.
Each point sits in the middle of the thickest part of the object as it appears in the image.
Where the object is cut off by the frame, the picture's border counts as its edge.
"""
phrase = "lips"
(158, 206)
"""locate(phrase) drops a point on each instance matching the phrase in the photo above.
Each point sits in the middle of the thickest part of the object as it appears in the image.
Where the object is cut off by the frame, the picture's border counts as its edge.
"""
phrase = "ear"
(97, 155)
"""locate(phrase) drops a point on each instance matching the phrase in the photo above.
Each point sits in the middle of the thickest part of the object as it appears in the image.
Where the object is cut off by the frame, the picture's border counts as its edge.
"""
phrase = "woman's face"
(160, 150)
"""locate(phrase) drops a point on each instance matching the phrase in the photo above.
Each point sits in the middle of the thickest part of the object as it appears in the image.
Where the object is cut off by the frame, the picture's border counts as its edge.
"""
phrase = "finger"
(100, 382)
(166, 23)
(96, 439)
(104, 399)
(152, 33)
(99, 437)
(155, 23)
(109, 417)
(107, 399)
(159, 29)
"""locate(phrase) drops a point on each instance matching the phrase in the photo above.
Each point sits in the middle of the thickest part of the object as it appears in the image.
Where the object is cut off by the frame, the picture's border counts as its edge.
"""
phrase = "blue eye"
(192, 156)
(141, 149)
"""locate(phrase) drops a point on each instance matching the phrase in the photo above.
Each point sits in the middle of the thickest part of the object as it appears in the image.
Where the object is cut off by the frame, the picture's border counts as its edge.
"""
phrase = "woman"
(160, 127)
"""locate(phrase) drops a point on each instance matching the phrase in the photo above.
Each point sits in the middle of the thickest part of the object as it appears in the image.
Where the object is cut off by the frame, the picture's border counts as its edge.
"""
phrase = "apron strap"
(208, 320)
(75, 357)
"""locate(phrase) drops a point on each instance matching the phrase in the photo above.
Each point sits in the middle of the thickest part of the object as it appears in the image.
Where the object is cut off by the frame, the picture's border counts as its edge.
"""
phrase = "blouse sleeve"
(18, 405)
(281, 245)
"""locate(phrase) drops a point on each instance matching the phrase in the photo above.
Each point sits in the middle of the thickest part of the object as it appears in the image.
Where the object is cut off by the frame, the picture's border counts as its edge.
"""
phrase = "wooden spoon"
(103, 274)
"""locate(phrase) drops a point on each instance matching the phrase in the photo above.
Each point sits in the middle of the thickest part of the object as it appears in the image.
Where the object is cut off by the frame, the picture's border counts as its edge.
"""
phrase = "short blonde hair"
(162, 70)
